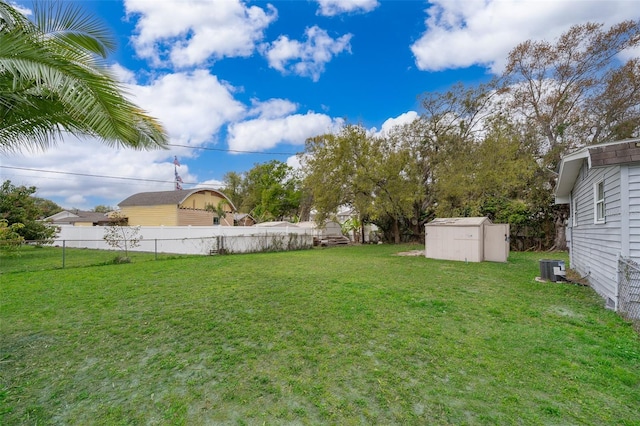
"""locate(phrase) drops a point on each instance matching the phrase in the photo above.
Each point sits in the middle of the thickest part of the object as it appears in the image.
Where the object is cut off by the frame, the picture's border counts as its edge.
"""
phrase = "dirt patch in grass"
(411, 253)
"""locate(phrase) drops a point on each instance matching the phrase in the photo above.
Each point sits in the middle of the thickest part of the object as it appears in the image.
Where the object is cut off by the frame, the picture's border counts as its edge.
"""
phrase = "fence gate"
(629, 288)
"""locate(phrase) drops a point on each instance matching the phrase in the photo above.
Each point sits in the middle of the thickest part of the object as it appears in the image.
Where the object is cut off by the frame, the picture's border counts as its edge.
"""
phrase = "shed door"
(496, 242)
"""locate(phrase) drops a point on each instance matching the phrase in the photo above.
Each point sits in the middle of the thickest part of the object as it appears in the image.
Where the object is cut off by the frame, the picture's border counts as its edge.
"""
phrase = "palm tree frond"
(52, 80)
(73, 27)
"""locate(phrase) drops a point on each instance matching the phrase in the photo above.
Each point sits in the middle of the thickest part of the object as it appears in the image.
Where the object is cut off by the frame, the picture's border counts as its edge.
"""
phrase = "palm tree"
(54, 80)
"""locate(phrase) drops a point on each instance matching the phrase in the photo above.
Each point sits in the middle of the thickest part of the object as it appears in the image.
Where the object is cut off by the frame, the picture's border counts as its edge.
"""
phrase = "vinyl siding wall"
(595, 247)
(191, 217)
(83, 224)
(192, 210)
(194, 217)
(163, 215)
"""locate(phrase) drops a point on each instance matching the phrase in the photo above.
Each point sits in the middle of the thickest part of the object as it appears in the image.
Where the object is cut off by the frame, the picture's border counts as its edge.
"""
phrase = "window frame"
(599, 206)
(574, 210)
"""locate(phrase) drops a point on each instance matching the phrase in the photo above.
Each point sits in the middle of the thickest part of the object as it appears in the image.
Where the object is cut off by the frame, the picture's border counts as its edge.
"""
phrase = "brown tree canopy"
(574, 90)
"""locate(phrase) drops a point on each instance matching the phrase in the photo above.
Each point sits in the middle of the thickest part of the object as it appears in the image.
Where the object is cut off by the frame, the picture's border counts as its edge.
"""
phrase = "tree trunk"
(560, 225)
(396, 231)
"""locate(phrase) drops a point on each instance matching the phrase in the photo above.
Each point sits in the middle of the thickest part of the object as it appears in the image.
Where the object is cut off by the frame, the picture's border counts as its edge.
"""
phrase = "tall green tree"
(396, 182)
(18, 206)
(500, 165)
(375, 175)
(451, 124)
(101, 208)
(47, 207)
(233, 188)
(272, 191)
(54, 80)
(333, 172)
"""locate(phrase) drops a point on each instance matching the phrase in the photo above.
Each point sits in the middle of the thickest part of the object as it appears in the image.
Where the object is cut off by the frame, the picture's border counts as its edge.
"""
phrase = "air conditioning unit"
(552, 270)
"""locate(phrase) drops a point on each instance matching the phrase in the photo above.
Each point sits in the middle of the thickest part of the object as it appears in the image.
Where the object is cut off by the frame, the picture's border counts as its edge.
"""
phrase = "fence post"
(619, 305)
(64, 244)
(156, 247)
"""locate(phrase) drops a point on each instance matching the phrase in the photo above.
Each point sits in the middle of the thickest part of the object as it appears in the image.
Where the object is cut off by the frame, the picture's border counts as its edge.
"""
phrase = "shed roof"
(600, 155)
(166, 197)
(458, 221)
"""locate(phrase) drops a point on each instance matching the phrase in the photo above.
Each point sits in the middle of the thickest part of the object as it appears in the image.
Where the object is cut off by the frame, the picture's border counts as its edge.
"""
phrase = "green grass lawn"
(345, 336)
(39, 258)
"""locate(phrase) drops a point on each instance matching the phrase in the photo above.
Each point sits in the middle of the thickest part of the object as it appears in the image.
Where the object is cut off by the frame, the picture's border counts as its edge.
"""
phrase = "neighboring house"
(601, 185)
(330, 228)
(243, 219)
(178, 208)
(79, 218)
(345, 213)
(329, 234)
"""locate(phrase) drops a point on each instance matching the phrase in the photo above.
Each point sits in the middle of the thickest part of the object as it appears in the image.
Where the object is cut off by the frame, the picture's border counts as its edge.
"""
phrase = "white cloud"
(261, 134)
(294, 162)
(272, 108)
(123, 74)
(406, 118)
(192, 32)
(192, 106)
(306, 58)
(78, 158)
(464, 33)
(337, 7)
(24, 10)
(76, 200)
(211, 183)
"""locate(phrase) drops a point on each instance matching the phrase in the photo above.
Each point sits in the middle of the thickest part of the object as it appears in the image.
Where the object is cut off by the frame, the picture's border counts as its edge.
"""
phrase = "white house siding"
(634, 212)
(595, 247)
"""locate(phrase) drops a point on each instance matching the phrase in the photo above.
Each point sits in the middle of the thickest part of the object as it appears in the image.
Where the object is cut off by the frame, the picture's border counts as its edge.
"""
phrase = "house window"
(599, 215)
(216, 220)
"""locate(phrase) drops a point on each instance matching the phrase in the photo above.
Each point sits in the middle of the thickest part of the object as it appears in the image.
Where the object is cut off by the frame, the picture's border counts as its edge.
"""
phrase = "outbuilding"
(470, 239)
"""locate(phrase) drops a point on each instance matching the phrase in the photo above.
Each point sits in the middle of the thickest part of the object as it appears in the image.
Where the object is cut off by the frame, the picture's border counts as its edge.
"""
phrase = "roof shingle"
(160, 198)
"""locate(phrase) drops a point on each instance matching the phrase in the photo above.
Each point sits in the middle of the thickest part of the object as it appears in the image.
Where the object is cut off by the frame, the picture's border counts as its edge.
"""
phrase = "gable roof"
(600, 155)
(61, 215)
(241, 216)
(75, 216)
(159, 198)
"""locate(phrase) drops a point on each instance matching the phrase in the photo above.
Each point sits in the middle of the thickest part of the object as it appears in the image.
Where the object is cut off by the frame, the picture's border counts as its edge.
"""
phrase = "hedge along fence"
(203, 240)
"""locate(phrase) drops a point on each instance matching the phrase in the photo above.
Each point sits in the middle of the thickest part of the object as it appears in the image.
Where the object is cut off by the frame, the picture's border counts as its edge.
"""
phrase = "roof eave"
(569, 169)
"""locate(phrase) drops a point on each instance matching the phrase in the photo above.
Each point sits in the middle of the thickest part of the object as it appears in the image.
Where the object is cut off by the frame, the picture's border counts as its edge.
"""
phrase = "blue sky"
(225, 76)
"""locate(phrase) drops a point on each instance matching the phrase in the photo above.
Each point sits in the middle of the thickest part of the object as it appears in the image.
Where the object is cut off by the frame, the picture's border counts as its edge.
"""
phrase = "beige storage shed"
(470, 239)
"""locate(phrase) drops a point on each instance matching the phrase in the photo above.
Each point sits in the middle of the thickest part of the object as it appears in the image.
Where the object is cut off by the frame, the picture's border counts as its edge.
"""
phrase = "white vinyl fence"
(204, 240)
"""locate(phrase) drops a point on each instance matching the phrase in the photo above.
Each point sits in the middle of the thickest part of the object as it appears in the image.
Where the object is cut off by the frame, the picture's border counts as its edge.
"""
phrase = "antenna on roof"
(176, 164)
